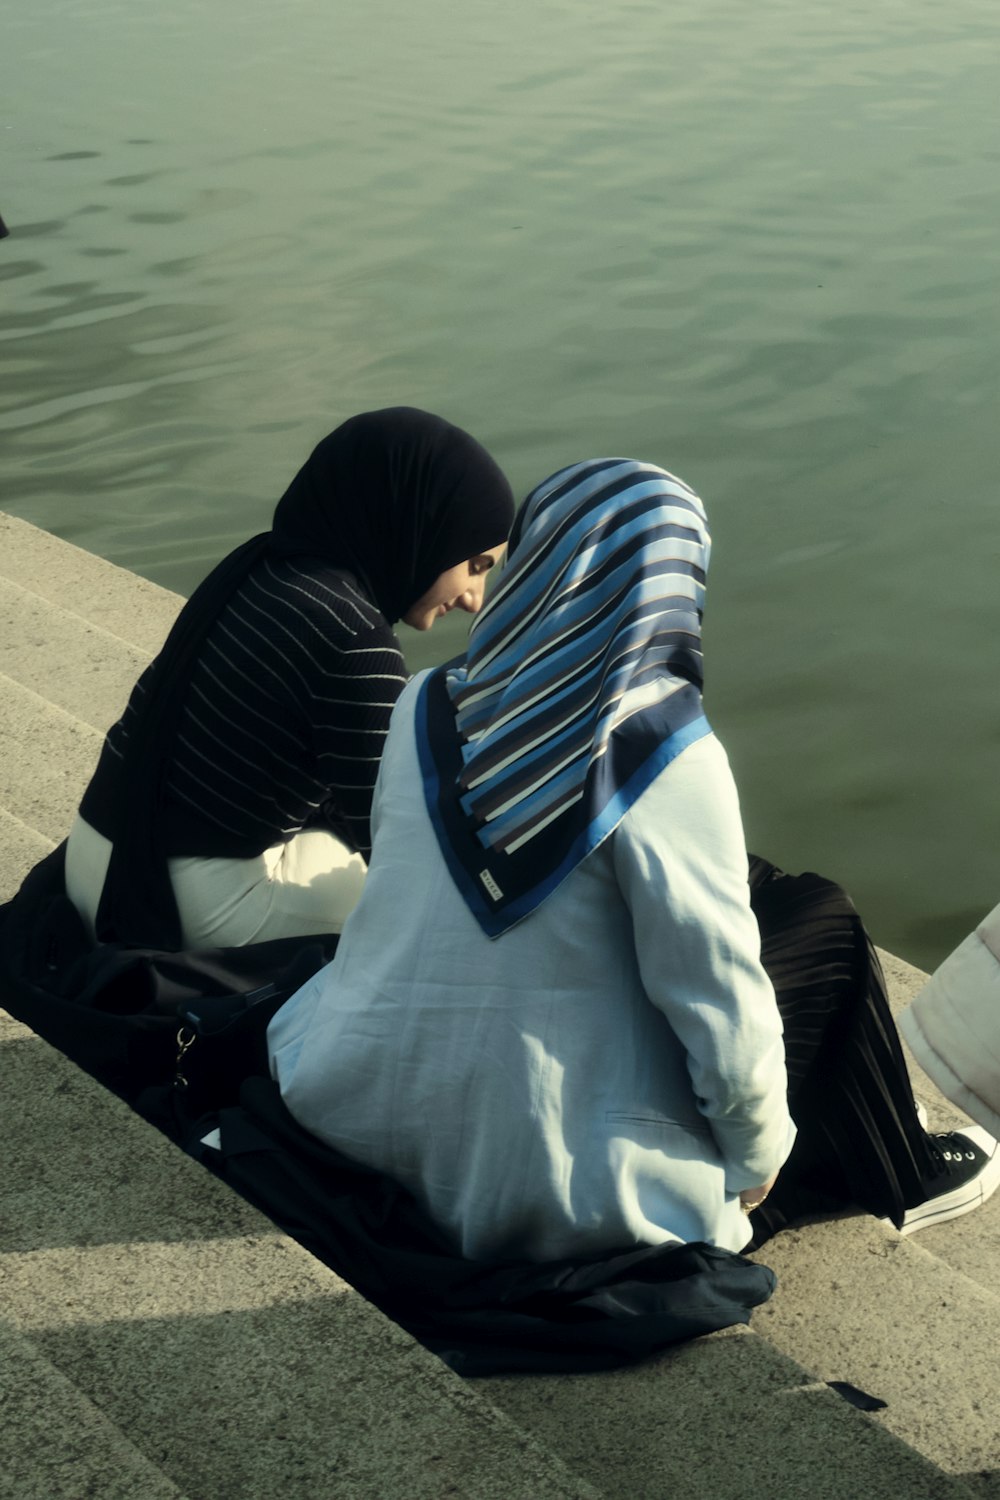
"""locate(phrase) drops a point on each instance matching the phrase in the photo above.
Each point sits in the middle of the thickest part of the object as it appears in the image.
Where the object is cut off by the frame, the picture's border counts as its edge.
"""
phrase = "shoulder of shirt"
(699, 771)
(316, 588)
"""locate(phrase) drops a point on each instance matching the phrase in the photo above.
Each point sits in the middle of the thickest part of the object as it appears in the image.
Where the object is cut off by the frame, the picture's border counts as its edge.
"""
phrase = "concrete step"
(21, 848)
(715, 1420)
(65, 658)
(118, 601)
(860, 1303)
(970, 1245)
(47, 757)
(55, 1444)
(914, 1321)
(222, 1350)
(231, 1360)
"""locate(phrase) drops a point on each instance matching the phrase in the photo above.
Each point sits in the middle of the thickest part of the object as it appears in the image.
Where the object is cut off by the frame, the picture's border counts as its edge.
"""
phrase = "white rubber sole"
(962, 1200)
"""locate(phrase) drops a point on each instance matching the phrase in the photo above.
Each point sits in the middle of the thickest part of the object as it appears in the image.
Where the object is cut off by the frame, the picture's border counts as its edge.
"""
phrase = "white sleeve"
(681, 864)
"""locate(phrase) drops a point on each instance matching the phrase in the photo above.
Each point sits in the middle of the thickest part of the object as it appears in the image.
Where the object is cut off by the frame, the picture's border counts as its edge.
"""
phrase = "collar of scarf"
(581, 682)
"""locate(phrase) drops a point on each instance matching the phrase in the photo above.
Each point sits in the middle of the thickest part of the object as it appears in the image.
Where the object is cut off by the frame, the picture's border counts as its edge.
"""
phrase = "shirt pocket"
(649, 1119)
(668, 1172)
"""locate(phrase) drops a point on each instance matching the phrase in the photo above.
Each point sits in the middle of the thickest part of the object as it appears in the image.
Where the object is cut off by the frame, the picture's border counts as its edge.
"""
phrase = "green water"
(756, 244)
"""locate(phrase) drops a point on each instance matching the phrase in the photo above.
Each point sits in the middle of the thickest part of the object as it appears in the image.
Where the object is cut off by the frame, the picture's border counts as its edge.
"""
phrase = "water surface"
(757, 245)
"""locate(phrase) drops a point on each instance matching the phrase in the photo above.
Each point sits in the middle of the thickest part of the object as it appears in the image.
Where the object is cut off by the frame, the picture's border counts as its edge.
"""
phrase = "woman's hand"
(751, 1198)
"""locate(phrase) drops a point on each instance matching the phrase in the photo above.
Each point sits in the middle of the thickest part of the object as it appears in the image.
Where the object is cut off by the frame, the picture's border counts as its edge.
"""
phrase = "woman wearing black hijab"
(230, 804)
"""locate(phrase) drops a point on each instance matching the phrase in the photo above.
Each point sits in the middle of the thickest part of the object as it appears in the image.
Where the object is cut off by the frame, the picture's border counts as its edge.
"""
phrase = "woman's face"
(461, 587)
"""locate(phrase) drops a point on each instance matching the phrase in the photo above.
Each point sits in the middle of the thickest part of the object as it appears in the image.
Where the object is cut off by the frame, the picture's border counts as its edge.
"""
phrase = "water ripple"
(61, 406)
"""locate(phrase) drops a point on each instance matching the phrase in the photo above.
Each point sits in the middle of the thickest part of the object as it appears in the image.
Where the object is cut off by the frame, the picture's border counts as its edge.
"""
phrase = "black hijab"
(394, 497)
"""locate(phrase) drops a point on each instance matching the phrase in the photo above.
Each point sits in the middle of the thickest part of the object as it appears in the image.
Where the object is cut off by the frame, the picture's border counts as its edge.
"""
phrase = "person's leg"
(860, 1143)
(305, 887)
(88, 855)
(315, 884)
(222, 903)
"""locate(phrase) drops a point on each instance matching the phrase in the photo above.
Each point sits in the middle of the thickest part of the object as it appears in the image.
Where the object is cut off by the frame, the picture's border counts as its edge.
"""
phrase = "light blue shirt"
(608, 1072)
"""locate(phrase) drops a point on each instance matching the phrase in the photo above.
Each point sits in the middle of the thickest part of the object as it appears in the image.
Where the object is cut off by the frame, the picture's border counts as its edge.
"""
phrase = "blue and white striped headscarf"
(582, 680)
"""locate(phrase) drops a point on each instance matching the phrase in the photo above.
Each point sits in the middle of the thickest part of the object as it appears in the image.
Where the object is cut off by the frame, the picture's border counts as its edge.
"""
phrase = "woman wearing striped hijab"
(548, 1017)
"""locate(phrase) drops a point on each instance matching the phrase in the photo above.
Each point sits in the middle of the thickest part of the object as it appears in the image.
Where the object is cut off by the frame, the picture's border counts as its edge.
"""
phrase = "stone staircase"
(161, 1338)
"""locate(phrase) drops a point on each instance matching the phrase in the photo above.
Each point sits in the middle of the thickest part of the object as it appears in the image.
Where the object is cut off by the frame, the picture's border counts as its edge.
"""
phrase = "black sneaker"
(965, 1172)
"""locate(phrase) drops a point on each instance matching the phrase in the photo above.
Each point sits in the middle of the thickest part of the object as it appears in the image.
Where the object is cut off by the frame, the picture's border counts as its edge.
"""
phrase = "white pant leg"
(298, 889)
(88, 854)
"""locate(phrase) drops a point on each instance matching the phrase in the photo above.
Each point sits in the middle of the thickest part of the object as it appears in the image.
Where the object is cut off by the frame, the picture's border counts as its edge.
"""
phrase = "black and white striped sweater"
(283, 722)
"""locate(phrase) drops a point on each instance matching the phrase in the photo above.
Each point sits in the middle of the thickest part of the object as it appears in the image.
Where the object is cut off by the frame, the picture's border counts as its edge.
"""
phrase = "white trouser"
(306, 886)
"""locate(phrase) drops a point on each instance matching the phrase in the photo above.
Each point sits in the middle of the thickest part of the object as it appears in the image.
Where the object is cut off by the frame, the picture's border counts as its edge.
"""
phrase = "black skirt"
(859, 1144)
